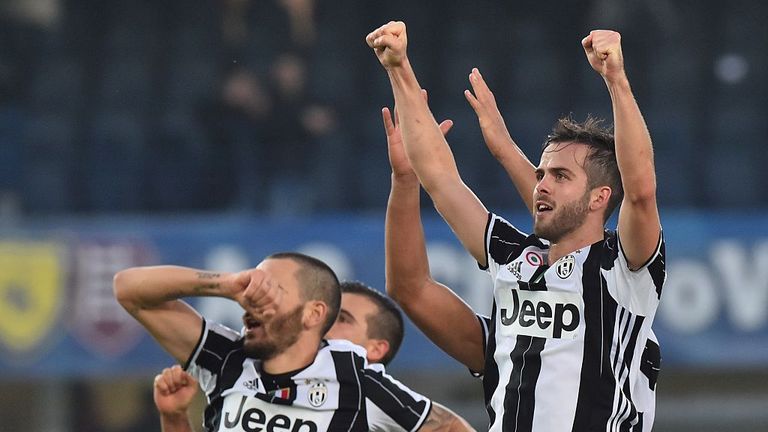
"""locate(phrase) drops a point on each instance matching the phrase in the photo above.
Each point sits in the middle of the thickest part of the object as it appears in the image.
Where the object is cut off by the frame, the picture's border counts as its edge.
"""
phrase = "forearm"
(177, 422)
(425, 145)
(634, 151)
(406, 262)
(520, 170)
(152, 287)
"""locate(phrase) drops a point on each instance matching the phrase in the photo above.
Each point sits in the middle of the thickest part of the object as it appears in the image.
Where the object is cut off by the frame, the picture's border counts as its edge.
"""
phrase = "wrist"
(405, 179)
(617, 82)
(175, 416)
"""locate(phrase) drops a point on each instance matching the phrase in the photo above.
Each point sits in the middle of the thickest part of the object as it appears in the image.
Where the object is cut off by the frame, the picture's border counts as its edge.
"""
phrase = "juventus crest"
(317, 394)
(565, 266)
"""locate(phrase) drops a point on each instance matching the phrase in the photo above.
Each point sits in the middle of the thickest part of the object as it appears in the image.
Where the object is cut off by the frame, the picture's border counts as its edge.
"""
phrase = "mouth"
(542, 207)
(251, 324)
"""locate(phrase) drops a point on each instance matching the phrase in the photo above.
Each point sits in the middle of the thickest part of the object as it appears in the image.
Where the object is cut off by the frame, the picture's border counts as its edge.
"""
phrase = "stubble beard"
(568, 218)
(281, 333)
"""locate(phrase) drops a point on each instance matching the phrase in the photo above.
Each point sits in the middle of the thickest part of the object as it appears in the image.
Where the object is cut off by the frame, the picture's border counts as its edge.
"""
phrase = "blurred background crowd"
(246, 113)
(273, 105)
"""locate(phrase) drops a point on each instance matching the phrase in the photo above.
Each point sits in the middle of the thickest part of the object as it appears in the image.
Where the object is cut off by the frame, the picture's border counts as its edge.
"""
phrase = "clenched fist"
(389, 42)
(603, 49)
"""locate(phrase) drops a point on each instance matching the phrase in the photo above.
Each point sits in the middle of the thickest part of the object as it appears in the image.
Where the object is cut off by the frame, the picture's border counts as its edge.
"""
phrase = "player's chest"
(537, 300)
(242, 412)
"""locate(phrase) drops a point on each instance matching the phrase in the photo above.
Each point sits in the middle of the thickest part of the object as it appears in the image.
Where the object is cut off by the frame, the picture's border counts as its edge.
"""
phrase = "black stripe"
(595, 400)
(350, 415)
(650, 363)
(491, 370)
(197, 345)
(393, 400)
(657, 269)
(520, 392)
(519, 400)
(486, 239)
(230, 371)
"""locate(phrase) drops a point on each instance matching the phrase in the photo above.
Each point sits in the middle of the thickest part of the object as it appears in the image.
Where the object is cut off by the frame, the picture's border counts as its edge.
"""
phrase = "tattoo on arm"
(207, 287)
(442, 419)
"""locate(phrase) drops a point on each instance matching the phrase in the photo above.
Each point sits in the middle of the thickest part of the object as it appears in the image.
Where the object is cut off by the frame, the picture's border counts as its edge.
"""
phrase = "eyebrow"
(347, 314)
(554, 169)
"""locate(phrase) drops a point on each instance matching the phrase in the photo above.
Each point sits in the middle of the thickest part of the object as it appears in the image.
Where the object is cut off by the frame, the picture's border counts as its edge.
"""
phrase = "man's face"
(561, 197)
(265, 340)
(352, 323)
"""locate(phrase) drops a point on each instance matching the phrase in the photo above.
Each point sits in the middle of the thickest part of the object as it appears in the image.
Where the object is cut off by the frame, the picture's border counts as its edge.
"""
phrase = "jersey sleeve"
(390, 405)
(207, 360)
(638, 290)
(502, 242)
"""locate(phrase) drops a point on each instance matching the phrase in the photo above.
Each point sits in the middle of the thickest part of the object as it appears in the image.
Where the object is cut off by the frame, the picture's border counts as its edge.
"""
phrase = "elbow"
(404, 292)
(122, 287)
(639, 196)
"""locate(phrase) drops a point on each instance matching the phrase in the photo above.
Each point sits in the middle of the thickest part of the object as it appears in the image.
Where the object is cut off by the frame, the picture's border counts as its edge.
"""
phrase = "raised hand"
(397, 157)
(260, 294)
(174, 390)
(389, 42)
(495, 132)
(603, 49)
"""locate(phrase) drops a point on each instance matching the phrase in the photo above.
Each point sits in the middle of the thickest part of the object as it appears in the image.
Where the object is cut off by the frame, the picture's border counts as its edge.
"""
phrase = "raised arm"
(496, 136)
(409, 283)
(441, 419)
(639, 224)
(173, 392)
(425, 145)
(152, 296)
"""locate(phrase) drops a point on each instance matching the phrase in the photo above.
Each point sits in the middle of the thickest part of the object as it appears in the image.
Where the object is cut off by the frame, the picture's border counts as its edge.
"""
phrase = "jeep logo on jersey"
(254, 419)
(317, 394)
(547, 314)
(565, 266)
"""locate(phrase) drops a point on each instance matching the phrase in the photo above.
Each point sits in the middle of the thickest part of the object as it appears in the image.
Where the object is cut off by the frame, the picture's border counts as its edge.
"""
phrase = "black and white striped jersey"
(644, 394)
(339, 391)
(566, 341)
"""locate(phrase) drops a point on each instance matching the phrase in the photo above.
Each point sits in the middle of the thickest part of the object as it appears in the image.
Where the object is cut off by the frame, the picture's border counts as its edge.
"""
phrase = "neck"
(574, 241)
(299, 355)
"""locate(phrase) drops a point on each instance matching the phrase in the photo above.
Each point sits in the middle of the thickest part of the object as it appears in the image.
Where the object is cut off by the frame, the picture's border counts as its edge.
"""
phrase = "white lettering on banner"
(696, 291)
(745, 282)
(689, 302)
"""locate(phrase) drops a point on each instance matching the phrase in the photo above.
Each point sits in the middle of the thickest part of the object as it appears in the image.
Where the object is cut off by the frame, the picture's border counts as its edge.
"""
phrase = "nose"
(543, 185)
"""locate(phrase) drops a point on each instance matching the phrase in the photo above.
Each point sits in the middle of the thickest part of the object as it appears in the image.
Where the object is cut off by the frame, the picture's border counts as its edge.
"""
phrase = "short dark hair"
(600, 164)
(388, 322)
(318, 282)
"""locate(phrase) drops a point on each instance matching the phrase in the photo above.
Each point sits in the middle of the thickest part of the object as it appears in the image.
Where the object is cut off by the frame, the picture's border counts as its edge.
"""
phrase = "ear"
(315, 313)
(599, 198)
(377, 349)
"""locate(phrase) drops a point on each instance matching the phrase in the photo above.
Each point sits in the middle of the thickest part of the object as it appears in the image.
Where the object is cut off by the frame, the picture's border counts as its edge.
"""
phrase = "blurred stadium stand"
(187, 118)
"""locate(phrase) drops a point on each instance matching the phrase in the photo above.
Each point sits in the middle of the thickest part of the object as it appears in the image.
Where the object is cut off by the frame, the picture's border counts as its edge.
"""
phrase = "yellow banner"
(31, 276)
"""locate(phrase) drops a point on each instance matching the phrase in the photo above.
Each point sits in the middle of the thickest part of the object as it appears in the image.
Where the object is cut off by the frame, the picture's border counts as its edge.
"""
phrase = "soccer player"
(573, 303)
(280, 372)
(366, 318)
